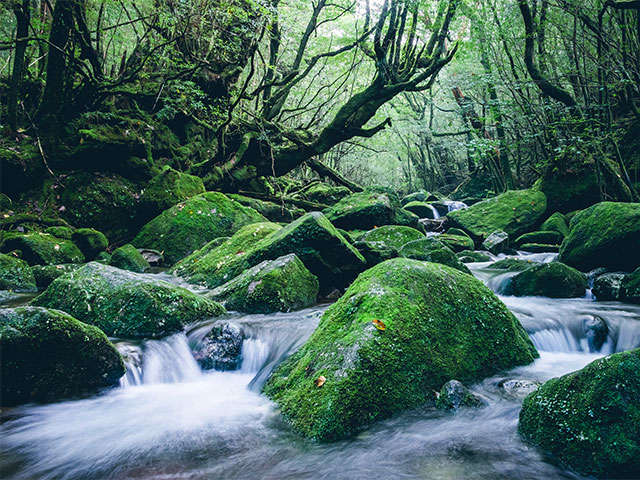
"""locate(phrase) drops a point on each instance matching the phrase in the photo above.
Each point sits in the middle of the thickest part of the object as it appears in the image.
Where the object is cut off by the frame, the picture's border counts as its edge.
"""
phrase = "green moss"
(497, 242)
(280, 285)
(439, 324)
(394, 236)
(48, 355)
(60, 232)
(15, 274)
(549, 237)
(90, 242)
(556, 223)
(539, 247)
(126, 304)
(457, 243)
(325, 194)
(604, 235)
(375, 252)
(590, 419)
(458, 232)
(322, 249)
(45, 274)
(630, 287)
(419, 196)
(127, 257)
(272, 211)
(433, 250)
(362, 211)
(189, 225)
(513, 264)
(421, 209)
(43, 249)
(514, 212)
(555, 280)
(469, 256)
(168, 188)
(408, 219)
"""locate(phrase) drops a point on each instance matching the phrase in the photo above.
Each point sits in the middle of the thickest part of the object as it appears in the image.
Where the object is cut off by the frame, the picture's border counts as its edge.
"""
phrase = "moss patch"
(457, 243)
(45, 274)
(542, 237)
(127, 257)
(590, 419)
(168, 188)
(90, 242)
(394, 236)
(433, 250)
(556, 223)
(15, 274)
(421, 209)
(48, 355)
(43, 249)
(630, 287)
(401, 330)
(554, 280)
(469, 256)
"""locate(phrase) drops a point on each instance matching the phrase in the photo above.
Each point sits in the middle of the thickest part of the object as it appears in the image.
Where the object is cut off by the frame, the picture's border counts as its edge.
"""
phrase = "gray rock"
(455, 395)
(517, 388)
(221, 348)
(607, 286)
(597, 331)
(497, 242)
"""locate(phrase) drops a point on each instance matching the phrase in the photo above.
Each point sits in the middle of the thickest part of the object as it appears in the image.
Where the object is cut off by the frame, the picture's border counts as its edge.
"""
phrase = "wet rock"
(400, 331)
(422, 210)
(48, 355)
(469, 256)
(43, 249)
(221, 348)
(607, 286)
(595, 273)
(556, 223)
(45, 274)
(457, 243)
(155, 258)
(541, 237)
(191, 224)
(16, 275)
(497, 242)
(514, 212)
(513, 264)
(126, 304)
(554, 280)
(279, 285)
(90, 242)
(518, 388)
(455, 395)
(127, 257)
(606, 234)
(539, 248)
(596, 332)
(630, 287)
(394, 236)
(433, 250)
(375, 252)
(589, 419)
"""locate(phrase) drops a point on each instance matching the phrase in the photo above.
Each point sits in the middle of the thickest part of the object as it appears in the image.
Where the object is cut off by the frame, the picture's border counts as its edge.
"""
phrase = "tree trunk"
(23, 14)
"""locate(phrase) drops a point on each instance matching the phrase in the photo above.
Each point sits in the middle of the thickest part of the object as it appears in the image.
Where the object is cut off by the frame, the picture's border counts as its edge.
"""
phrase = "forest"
(319, 239)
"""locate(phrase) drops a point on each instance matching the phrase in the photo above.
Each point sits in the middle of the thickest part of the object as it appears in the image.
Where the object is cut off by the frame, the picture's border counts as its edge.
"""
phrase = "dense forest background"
(468, 98)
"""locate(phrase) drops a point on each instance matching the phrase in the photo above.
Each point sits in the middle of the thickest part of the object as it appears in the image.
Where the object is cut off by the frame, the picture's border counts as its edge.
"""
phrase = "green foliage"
(15, 274)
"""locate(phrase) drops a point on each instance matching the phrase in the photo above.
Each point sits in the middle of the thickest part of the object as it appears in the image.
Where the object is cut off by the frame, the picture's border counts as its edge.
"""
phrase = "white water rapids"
(170, 420)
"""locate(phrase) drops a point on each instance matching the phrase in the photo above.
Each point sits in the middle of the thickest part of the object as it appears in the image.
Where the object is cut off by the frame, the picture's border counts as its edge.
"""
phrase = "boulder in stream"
(401, 330)
(497, 242)
(126, 304)
(16, 274)
(433, 250)
(630, 287)
(127, 257)
(279, 285)
(43, 249)
(221, 348)
(606, 234)
(48, 355)
(422, 209)
(454, 395)
(394, 236)
(542, 238)
(553, 279)
(556, 223)
(590, 419)
(457, 243)
(470, 256)
(607, 286)
(45, 274)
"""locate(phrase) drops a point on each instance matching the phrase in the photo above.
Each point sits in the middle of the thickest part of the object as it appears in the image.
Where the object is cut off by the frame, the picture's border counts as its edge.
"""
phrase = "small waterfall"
(254, 355)
(453, 206)
(436, 214)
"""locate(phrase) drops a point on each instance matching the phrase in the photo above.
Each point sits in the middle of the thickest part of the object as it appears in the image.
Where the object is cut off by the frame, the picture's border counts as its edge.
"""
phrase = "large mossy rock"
(604, 235)
(433, 250)
(43, 249)
(166, 189)
(323, 193)
(515, 212)
(513, 264)
(457, 243)
(590, 419)
(630, 287)
(48, 355)
(555, 280)
(556, 223)
(322, 249)
(548, 237)
(422, 209)
(402, 330)
(127, 257)
(394, 236)
(126, 304)
(16, 274)
(279, 285)
(191, 224)
(469, 256)
(274, 212)
(90, 241)
(45, 274)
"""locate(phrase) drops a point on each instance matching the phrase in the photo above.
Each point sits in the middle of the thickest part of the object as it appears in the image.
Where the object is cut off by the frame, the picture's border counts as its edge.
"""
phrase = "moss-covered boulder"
(48, 355)
(394, 236)
(607, 286)
(125, 304)
(433, 250)
(127, 257)
(400, 331)
(540, 248)
(166, 189)
(513, 264)
(43, 249)
(60, 232)
(419, 196)
(375, 252)
(453, 395)
(367, 210)
(191, 224)
(274, 212)
(548, 237)
(457, 231)
(279, 285)
(515, 212)
(630, 287)
(422, 209)
(589, 420)
(497, 242)
(324, 194)
(470, 256)
(16, 274)
(457, 243)
(45, 274)
(604, 235)
(555, 280)
(90, 242)
(556, 223)
(322, 249)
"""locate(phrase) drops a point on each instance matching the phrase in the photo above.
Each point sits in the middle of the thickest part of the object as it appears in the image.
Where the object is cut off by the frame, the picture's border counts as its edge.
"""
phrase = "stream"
(170, 420)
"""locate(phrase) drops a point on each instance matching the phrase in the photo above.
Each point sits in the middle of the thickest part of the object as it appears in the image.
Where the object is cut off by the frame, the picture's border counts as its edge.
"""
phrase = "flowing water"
(170, 420)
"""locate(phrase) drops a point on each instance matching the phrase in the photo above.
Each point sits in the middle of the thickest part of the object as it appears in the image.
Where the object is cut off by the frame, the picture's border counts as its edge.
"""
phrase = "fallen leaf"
(379, 324)
(319, 381)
